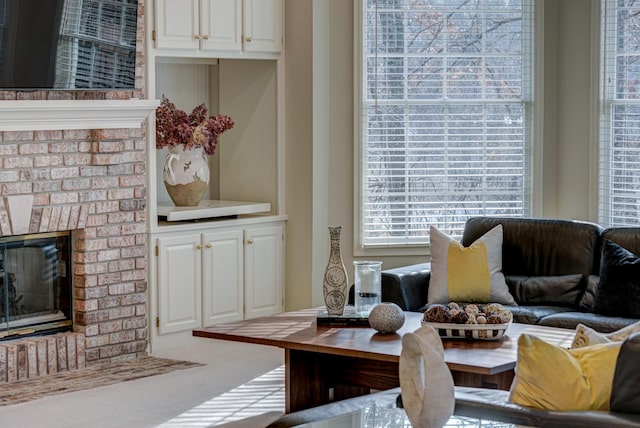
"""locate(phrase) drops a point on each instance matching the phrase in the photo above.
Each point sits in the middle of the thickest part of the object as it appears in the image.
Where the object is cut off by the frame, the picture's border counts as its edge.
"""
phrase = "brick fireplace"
(93, 183)
(76, 161)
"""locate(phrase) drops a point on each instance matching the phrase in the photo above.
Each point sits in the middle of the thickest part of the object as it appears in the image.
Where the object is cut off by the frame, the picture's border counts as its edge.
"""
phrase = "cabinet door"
(263, 25)
(222, 291)
(263, 271)
(177, 25)
(179, 283)
(220, 25)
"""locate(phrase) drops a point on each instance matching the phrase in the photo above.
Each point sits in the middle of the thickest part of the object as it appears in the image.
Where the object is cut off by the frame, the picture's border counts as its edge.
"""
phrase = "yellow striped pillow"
(467, 274)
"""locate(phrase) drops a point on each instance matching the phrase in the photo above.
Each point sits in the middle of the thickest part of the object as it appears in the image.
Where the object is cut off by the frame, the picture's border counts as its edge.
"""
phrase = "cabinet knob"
(209, 245)
(249, 39)
(206, 37)
(198, 247)
(196, 36)
(250, 241)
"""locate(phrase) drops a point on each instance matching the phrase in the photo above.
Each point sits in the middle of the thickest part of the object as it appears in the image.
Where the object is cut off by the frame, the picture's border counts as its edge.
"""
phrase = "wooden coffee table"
(329, 363)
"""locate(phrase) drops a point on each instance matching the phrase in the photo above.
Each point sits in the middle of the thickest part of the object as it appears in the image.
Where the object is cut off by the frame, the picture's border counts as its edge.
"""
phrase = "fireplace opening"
(35, 284)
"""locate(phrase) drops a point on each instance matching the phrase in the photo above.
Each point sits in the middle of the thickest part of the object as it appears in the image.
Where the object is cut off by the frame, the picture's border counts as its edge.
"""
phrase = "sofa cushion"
(589, 295)
(571, 319)
(551, 377)
(618, 292)
(626, 237)
(467, 274)
(532, 314)
(625, 393)
(562, 290)
(541, 247)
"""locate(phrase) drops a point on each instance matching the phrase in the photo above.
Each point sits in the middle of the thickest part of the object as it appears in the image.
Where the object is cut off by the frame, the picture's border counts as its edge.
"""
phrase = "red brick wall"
(94, 183)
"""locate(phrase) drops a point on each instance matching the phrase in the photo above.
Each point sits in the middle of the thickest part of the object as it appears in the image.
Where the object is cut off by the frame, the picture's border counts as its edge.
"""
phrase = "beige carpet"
(89, 377)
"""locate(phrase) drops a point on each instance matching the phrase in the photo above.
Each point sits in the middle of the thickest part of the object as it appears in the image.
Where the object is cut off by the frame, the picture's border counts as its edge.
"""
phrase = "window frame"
(605, 22)
(536, 128)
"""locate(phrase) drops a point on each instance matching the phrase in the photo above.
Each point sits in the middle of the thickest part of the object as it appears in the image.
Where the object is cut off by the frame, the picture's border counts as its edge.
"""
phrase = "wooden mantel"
(40, 115)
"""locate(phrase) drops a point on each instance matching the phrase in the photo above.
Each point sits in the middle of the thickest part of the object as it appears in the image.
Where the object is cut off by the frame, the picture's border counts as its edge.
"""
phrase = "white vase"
(186, 175)
(335, 284)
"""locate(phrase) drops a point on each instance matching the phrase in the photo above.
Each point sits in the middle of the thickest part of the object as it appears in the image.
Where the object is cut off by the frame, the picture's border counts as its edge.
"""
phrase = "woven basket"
(469, 331)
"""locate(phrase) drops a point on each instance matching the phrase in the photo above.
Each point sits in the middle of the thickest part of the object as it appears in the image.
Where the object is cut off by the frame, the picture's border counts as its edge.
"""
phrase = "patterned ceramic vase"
(186, 175)
(335, 285)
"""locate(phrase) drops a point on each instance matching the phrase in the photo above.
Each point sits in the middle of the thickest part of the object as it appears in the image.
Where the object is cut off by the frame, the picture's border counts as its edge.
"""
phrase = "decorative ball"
(437, 313)
(460, 318)
(506, 315)
(494, 307)
(472, 309)
(386, 317)
(494, 319)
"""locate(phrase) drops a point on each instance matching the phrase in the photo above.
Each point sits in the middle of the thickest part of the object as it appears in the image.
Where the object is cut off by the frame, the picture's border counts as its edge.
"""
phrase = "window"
(446, 103)
(619, 192)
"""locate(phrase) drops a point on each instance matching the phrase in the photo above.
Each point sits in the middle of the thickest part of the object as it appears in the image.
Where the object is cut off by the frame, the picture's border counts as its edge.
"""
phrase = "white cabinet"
(177, 24)
(179, 283)
(262, 25)
(222, 277)
(218, 26)
(219, 275)
(227, 54)
(263, 258)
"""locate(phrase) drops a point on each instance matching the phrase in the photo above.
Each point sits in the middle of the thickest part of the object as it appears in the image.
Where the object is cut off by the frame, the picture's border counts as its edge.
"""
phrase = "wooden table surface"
(298, 331)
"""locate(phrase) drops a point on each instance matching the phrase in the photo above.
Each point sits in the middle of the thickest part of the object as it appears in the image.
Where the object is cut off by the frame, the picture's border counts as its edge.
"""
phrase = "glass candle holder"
(368, 288)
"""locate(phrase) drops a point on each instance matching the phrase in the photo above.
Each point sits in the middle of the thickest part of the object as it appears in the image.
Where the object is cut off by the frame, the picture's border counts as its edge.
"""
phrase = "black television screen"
(68, 44)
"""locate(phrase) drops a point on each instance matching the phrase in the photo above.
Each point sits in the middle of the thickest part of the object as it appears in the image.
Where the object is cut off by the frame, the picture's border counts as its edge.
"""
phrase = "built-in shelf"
(212, 209)
(41, 115)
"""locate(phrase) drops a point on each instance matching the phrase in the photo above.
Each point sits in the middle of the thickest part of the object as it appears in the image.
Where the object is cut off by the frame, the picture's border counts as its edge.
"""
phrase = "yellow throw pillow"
(467, 274)
(549, 377)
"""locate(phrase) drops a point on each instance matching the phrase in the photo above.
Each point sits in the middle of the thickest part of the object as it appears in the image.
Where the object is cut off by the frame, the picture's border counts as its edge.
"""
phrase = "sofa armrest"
(407, 286)
(493, 404)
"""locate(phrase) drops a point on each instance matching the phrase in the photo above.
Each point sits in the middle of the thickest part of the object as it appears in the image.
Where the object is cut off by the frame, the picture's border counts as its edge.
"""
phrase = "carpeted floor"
(89, 377)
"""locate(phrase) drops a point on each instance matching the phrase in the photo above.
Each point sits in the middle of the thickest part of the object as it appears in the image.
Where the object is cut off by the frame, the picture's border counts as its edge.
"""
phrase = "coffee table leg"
(304, 383)
(501, 380)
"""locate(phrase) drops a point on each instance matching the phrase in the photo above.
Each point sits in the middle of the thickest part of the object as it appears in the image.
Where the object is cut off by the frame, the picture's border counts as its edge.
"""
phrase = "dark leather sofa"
(551, 267)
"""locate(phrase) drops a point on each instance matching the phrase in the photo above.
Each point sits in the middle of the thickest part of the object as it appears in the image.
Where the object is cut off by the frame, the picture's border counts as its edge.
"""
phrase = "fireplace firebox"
(35, 284)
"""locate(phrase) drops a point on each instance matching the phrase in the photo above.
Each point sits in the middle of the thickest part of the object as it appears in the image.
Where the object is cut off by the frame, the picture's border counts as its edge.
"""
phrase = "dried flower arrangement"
(174, 127)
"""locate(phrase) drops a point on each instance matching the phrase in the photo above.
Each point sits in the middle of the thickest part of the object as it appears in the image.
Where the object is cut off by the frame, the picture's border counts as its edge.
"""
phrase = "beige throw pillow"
(586, 336)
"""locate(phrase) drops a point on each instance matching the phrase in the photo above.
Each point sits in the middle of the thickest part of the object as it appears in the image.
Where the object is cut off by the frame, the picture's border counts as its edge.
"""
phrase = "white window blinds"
(446, 102)
(620, 114)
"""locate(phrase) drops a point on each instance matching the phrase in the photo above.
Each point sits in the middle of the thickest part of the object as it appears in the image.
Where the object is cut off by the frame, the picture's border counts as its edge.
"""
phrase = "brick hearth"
(40, 356)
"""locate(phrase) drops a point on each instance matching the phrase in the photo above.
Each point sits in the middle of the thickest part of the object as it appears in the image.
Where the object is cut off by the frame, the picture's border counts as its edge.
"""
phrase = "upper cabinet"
(217, 28)
(262, 25)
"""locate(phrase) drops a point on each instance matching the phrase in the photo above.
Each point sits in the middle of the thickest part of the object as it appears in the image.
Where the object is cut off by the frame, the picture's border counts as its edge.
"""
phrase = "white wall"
(567, 132)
